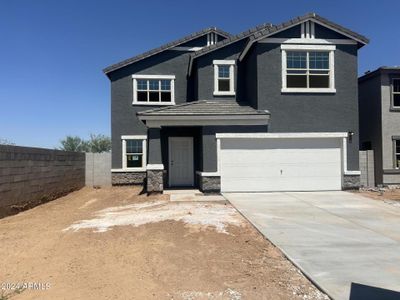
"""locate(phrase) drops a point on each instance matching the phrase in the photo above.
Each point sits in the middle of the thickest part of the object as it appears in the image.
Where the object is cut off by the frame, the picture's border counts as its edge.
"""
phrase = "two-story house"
(379, 102)
(274, 108)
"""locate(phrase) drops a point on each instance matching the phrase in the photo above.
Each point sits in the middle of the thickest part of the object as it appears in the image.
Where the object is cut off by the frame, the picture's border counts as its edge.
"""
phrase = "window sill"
(391, 171)
(395, 108)
(311, 90)
(216, 93)
(153, 103)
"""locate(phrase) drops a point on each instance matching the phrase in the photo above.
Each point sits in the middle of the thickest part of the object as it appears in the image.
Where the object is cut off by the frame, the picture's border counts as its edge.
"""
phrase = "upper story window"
(134, 152)
(153, 89)
(224, 77)
(396, 92)
(308, 69)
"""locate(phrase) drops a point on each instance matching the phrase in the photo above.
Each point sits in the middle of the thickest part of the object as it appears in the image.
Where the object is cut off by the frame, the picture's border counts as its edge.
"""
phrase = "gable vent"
(308, 30)
(211, 38)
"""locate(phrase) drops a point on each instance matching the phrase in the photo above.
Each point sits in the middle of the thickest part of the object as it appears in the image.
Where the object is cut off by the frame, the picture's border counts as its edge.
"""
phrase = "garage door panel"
(262, 144)
(276, 185)
(278, 168)
(257, 156)
(328, 170)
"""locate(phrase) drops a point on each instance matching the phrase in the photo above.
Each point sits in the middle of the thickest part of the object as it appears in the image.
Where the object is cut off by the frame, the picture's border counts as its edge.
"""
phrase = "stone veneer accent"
(128, 178)
(351, 182)
(209, 184)
(155, 181)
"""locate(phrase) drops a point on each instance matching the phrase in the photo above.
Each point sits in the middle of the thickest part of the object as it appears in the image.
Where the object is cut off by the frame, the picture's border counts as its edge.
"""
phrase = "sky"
(53, 52)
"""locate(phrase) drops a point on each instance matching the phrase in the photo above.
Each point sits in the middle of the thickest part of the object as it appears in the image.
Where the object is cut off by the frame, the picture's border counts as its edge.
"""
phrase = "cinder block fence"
(98, 169)
(30, 176)
(367, 178)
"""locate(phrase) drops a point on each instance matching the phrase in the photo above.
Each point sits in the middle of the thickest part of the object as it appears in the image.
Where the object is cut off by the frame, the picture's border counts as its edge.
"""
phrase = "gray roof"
(378, 71)
(164, 47)
(312, 16)
(205, 107)
(232, 39)
(269, 29)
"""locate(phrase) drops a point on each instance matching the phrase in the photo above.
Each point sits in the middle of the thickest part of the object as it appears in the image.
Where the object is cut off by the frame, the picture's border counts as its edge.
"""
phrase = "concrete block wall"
(98, 169)
(367, 178)
(31, 176)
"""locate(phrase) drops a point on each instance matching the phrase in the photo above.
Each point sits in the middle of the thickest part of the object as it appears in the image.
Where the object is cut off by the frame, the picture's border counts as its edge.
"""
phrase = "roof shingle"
(204, 107)
(163, 48)
(264, 31)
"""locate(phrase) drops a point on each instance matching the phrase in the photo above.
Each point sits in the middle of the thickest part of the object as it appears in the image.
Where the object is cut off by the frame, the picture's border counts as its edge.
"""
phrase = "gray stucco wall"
(390, 129)
(250, 88)
(371, 120)
(209, 142)
(123, 114)
(336, 112)
(205, 71)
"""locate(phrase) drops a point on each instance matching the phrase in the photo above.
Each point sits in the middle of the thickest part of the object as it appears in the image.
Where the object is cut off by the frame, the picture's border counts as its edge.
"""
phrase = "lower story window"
(397, 154)
(134, 152)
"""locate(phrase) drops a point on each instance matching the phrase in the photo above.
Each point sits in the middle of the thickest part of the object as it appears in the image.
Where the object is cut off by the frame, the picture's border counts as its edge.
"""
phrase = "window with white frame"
(133, 152)
(396, 92)
(224, 74)
(396, 146)
(308, 68)
(153, 89)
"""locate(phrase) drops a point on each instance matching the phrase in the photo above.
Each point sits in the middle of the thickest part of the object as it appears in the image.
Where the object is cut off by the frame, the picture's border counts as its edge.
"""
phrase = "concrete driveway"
(335, 238)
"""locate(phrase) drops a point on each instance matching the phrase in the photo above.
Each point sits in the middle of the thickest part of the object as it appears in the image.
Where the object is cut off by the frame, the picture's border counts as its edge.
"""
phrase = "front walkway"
(336, 238)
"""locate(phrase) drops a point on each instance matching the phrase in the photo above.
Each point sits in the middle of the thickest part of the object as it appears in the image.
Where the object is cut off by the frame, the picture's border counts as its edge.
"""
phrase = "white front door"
(181, 161)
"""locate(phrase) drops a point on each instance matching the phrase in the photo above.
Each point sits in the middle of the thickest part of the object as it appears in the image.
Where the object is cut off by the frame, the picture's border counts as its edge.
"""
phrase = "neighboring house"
(379, 102)
(274, 108)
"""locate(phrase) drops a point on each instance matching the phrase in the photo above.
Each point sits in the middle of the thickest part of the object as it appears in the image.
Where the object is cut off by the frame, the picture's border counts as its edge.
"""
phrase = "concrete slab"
(335, 238)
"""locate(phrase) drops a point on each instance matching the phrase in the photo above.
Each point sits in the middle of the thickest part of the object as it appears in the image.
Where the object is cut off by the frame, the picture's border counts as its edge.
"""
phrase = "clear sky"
(53, 52)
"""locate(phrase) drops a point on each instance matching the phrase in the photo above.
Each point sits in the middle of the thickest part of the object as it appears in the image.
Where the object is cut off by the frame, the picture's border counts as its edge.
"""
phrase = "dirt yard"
(116, 244)
(388, 195)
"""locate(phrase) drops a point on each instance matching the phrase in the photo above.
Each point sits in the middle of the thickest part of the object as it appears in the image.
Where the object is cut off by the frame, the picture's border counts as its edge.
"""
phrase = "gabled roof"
(362, 40)
(230, 40)
(266, 30)
(205, 108)
(165, 47)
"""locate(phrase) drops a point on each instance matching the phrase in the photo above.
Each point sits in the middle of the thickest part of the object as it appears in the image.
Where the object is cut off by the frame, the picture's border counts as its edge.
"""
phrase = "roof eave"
(212, 120)
(361, 40)
(163, 48)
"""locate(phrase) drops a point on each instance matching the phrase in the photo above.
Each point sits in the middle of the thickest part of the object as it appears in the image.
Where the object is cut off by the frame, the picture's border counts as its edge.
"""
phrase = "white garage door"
(282, 164)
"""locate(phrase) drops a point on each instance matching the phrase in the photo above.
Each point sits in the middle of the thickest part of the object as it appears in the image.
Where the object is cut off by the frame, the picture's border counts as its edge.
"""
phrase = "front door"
(181, 161)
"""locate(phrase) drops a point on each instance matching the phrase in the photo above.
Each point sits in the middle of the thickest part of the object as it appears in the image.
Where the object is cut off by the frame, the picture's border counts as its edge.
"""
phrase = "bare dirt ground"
(383, 194)
(116, 244)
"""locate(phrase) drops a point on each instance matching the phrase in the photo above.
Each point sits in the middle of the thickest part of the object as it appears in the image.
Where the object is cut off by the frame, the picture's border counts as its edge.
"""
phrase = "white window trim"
(231, 64)
(124, 138)
(140, 76)
(395, 140)
(393, 93)
(329, 48)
